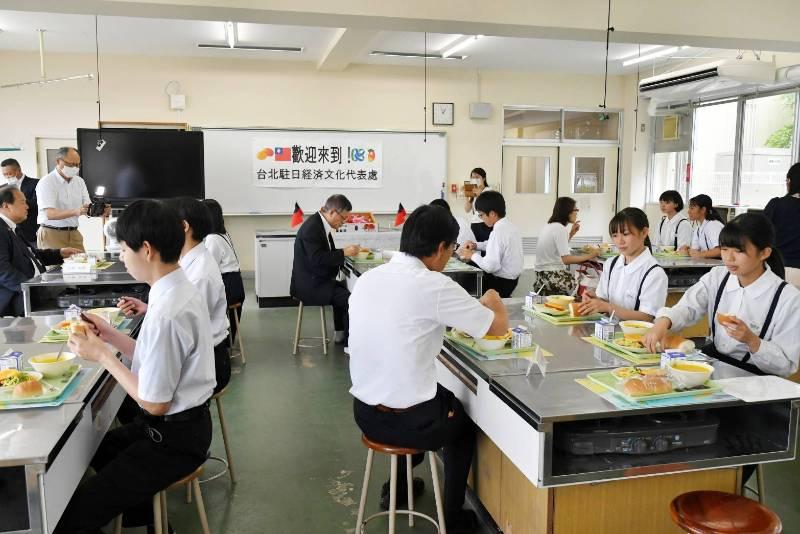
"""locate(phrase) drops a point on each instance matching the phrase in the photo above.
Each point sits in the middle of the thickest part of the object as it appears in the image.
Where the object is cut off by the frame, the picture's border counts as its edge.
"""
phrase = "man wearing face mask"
(63, 198)
(13, 174)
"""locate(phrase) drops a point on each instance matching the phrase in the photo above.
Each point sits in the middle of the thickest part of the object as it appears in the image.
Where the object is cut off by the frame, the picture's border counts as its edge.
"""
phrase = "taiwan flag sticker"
(283, 154)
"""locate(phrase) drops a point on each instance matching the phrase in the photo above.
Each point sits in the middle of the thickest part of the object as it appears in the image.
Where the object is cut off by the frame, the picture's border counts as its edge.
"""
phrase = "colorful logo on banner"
(320, 161)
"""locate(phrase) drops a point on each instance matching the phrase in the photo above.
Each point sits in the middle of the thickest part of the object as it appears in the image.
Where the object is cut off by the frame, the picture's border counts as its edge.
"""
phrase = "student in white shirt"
(707, 226)
(203, 272)
(675, 229)
(752, 312)
(220, 246)
(464, 230)
(633, 285)
(171, 378)
(553, 253)
(503, 261)
(398, 315)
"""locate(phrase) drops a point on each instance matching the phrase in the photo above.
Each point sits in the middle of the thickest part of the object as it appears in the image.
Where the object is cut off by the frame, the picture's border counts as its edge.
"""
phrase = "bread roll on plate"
(648, 385)
(26, 390)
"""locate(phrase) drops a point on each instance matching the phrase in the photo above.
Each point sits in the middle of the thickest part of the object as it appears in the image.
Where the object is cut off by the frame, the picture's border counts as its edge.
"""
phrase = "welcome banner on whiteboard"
(316, 160)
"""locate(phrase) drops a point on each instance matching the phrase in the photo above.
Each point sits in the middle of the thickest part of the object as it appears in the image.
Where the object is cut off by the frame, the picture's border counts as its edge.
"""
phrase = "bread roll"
(575, 309)
(648, 385)
(676, 342)
(26, 390)
(78, 328)
(725, 319)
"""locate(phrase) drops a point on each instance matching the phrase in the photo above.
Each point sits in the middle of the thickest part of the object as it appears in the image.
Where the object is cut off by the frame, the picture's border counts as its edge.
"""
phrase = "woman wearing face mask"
(553, 253)
(784, 214)
(752, 311)
(479, 184)
(675, 230)
(633, 285)
(708, 225)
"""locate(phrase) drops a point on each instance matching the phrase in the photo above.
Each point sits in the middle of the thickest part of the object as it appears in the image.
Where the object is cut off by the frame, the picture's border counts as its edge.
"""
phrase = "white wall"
(261, 93)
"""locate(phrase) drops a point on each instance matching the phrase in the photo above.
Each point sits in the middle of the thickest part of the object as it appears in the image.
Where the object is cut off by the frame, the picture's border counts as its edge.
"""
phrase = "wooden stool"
(716, 512)
(160, 504)
(297, 337)
(232, 310)
(373, 447)
(217, 398)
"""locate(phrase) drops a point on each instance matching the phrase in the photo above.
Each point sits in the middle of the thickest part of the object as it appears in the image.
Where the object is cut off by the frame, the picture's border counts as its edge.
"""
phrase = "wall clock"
(443, 113)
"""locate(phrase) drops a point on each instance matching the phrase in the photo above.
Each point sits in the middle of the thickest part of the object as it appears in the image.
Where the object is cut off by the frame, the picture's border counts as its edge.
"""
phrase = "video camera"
(98, 205)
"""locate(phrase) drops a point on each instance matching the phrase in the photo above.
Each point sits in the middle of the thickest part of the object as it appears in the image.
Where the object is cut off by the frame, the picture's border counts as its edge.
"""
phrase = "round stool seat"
(387, 449)
(187, 479)
(716, 512)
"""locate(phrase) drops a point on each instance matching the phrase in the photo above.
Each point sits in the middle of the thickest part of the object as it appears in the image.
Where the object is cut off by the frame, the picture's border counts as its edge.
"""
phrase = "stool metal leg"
(410, 491)
(297, 328)
(201, 509)
(762, 497)
(239, 336)
(437, 493)
(157, 513)
(118, 524)
(363, 502)
(324, 330)
(164, 519)
(393, 495)
(224, 428)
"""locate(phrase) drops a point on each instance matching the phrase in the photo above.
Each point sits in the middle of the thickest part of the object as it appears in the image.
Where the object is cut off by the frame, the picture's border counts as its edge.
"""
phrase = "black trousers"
(341, 315)
(481, 231)
(222, 365)
(439, 422)
(132, 465)
(234, 294)
(504, 286)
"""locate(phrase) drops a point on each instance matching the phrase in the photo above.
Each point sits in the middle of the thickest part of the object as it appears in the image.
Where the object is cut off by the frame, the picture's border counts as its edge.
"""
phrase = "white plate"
(34, 374)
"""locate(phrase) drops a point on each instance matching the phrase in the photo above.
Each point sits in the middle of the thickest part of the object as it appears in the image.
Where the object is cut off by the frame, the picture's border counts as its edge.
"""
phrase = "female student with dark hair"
(751, 310)
(675, 230)
(220, 246)
(633, 285)
(784, 214)
(553, 253)
(171, 379)
(478, 178)
(708, 225)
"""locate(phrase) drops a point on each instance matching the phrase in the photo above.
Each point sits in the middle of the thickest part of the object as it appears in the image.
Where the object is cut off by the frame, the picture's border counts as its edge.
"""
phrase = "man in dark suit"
(19, 259)
(317, 262)
(14, 175)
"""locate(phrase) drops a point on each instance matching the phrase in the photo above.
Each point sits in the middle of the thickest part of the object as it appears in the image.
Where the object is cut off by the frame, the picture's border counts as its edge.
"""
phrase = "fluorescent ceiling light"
(230, 34)
(385, 53)
(253, 47)
(466, 41)
(452, 39)
(653, 55)
(642, 50)
(50, 80)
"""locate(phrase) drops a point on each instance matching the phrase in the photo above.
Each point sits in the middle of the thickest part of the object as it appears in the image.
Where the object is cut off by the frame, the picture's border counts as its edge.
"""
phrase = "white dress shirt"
(679, 227)
(780, 348)
(174, 354)
(203, 272)
(398, 314)
(503, 257)
(620, 286)
(221, 249)
(53, 191)
(473, 215)
(464, 231)
(13, 227)
(706, 235)
(553, 243)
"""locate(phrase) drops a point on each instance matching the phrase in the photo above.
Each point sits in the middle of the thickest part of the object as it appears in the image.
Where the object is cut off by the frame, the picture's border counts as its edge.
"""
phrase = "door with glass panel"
(589, 175)
(529, 183)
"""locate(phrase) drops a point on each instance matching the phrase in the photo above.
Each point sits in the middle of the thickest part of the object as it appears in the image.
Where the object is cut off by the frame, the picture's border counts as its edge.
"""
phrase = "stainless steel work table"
(44, 452)
(467, 276)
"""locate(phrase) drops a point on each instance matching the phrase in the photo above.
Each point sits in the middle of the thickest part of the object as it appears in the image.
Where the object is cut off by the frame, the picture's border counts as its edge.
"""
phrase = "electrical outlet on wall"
(643, 127)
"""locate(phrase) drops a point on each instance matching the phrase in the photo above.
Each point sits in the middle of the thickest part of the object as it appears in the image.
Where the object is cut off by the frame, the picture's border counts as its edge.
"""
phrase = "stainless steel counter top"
(453, 266)
(115, 274)
(684, 263)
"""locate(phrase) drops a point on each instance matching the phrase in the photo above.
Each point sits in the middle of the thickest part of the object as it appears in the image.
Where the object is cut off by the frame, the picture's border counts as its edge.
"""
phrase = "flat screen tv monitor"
(142, 163)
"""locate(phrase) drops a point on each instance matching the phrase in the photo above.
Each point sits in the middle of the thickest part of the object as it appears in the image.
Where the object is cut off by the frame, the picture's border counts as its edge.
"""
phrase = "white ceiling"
(125, 35)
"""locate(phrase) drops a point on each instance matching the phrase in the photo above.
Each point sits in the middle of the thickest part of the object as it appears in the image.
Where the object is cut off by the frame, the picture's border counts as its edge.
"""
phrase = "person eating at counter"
(203, 272)
(464, 230)
(398, 313)
(633, 285)
(553, 253)
(504, 260)
(708, 225)
(751, 310)
(675, 229)
(171, 379)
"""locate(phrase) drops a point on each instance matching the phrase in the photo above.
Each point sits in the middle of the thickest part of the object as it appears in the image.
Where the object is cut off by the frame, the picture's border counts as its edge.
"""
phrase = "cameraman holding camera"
(63, 198)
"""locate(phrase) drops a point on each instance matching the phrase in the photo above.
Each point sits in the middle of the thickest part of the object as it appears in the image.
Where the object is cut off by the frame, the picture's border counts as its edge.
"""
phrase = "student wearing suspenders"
(675, 230)
(751, 310)
(708, 225)
(636, 287)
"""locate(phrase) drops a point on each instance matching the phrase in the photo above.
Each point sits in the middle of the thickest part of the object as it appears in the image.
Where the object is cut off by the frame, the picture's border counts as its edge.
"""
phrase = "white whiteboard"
(414, 172)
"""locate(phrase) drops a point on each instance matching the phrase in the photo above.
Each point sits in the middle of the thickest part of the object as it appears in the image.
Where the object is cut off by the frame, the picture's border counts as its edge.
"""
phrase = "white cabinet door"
(274, 259)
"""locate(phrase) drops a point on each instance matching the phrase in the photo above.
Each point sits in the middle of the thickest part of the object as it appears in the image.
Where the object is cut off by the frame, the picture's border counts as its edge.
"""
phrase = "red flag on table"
(400, 218)
(297, 215)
